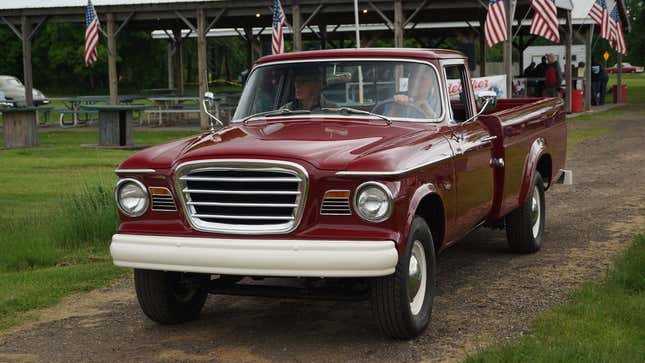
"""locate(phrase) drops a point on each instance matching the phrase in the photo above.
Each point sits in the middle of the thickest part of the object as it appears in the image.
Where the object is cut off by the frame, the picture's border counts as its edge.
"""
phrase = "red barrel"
(576, 100)
(623, 93)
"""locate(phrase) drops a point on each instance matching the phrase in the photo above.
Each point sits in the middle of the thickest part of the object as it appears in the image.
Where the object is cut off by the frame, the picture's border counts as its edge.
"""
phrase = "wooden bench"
(75, 114)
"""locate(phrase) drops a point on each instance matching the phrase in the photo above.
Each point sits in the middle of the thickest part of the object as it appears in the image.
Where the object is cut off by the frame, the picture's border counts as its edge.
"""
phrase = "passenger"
(422, 95)
(307, 84)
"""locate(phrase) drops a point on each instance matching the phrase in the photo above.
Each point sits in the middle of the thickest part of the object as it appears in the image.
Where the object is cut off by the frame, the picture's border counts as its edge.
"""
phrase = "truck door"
(472, 145)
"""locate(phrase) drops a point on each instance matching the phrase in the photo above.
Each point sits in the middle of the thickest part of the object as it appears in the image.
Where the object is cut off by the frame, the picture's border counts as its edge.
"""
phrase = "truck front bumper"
(255, 257)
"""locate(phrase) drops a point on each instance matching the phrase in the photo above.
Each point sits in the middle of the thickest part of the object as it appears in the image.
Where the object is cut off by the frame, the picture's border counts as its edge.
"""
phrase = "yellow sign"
(605, 55)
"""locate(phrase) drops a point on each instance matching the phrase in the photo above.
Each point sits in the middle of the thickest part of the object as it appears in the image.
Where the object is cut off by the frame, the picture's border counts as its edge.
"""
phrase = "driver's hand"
(401, 99)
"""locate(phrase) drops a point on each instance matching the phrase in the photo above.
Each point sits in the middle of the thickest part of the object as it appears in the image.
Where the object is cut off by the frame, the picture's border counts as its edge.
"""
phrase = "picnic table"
(81, 116)
(171, 105)
(159, 91)
(20, 125)
(115, 123)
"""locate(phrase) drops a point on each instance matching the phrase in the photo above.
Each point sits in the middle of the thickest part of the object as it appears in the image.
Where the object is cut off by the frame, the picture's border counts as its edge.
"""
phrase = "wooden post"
(619, 78)
(20, 128)
(112, 74)
(398, 23)
(26, 60)
(296, 24)
(201, 66)
(567, 68)
(587, 83)
(508, 45)
(322, 27)
(171, 69)
(482, 44)
(248, 32)
(179, 61)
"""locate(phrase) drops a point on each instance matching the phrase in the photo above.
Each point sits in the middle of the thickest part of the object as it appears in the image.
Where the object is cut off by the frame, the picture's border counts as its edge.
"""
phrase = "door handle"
(488, 138)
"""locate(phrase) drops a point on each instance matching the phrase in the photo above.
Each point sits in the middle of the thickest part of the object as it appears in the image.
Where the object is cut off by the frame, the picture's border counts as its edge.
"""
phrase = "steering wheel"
(411, 110)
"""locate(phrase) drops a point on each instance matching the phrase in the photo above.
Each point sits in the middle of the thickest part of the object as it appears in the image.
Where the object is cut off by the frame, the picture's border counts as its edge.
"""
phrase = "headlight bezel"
(390, 200)
(139, 184)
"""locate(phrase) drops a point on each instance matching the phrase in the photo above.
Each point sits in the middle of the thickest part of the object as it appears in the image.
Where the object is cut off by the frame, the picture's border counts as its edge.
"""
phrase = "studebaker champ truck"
(342, 175)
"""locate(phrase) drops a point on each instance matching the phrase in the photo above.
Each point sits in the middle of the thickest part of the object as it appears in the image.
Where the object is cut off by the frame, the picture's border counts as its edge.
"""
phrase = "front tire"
(525, 225)
(402, 302)
(170, 297)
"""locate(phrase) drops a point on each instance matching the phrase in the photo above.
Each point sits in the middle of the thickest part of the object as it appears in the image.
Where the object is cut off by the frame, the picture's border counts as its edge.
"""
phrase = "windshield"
(13, 82)
(395, 89)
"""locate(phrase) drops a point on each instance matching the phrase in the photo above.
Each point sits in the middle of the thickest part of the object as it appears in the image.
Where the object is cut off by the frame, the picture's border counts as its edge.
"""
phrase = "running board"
(566, 177)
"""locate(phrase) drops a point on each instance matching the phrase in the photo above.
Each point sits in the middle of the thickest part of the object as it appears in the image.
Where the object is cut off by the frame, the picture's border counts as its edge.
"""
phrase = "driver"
(422, 95)
(308, 84)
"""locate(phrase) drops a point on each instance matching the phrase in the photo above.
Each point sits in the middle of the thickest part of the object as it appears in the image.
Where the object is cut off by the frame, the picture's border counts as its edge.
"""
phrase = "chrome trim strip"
(395, 172)
(231, 216)
(221, 204)
(243, 164)
(135, 171)
(217, 179)
(251, 192)
(444, 105)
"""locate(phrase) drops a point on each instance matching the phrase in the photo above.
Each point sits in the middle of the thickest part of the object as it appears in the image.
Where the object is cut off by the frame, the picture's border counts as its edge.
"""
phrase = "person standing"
(596, 82)
(552, 77)
(604, 78)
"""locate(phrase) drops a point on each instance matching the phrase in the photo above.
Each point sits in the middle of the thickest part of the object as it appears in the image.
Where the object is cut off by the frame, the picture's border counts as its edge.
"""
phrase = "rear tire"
(402, 302)
(170, 297)
(525, 225)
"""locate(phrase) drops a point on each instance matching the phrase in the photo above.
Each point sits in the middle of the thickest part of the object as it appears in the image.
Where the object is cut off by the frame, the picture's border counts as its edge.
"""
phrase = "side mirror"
(209, 101)
(486, 101)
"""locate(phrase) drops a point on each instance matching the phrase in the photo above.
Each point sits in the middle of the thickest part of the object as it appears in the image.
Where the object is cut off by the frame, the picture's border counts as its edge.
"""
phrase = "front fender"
(418, 195)
(538, 148)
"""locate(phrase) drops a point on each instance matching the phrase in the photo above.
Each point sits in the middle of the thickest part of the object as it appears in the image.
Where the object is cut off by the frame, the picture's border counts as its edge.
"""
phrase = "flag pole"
(361, 95)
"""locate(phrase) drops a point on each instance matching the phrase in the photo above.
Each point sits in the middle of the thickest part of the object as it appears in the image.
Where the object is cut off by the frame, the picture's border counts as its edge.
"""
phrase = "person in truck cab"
(307, 85)
(422, 96)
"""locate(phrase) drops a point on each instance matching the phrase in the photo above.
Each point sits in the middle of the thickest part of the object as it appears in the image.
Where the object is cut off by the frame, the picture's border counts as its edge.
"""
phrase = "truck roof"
(405, 53)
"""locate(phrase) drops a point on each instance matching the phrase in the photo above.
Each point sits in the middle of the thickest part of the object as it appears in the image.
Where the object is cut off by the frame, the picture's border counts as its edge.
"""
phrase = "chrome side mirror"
(209, 101)
(486, 101)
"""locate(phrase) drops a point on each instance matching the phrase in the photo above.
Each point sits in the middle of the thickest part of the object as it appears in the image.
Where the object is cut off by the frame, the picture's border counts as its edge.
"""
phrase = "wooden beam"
(387, 20)
(26, 60)
(482, 45)
(508, 45)
(12, 27)
(171, 69)
(416, 11)
(123, 23)
(248, 30)
(186, 21)
(311, 17)
(201, 66)
(296, 20)
(567, 69)
(112, 73)
(40, 22)
(619, 78)
(398, 23)
(179, 61)
(215, 20)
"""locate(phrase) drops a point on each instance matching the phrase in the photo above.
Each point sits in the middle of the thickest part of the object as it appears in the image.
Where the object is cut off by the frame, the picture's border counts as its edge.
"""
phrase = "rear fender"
(538, 148)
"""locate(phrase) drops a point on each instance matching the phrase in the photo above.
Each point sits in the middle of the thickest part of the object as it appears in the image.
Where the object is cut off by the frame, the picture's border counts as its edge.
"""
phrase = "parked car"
(3, 101)
(14, 91)
(346, 172)
(627, 68)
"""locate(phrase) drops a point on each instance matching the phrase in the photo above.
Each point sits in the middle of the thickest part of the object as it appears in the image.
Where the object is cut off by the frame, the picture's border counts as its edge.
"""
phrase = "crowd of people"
(545, 79)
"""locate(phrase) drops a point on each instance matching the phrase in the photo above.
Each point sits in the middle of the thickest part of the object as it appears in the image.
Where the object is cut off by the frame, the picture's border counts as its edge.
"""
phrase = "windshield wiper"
(350, 110)
(280, 112)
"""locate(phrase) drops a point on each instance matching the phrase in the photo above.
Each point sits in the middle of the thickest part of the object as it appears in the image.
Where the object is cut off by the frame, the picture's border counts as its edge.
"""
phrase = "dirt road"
(486, 293)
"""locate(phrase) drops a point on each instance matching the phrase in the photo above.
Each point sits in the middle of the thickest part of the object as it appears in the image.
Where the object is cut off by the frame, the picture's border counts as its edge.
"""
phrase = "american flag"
(545, 20)
(616, 33)
(596, 11)
(277, 43)
(91, 34)
(495, 26)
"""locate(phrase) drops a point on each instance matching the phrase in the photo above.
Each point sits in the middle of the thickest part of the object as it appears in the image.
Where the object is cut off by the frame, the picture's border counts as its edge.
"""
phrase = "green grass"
(56, 218)
(604, 322)
(27, 290)
(635, 88)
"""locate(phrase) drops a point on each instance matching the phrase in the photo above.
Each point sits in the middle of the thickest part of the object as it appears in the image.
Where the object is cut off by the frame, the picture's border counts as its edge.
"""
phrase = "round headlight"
(373, 202)
(131, 197)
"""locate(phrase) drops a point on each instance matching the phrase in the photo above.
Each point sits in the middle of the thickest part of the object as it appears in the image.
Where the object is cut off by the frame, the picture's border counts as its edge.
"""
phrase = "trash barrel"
(576, 100)
(623, 93)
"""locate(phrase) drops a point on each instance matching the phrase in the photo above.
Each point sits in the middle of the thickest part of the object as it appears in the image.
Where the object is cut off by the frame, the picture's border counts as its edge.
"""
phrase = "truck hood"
(324, 143)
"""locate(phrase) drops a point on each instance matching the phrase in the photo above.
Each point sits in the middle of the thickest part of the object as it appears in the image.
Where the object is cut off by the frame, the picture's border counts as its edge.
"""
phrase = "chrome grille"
(242, 196)
(335, 206)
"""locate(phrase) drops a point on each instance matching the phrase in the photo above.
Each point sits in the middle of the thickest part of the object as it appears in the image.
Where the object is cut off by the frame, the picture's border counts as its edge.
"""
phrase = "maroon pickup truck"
(342, 175)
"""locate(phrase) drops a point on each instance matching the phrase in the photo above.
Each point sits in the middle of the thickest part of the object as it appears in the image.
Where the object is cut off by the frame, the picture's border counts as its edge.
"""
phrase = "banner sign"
(490, 83)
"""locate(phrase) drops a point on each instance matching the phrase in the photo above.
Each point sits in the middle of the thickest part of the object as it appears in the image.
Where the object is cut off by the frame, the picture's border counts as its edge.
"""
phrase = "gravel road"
(486, 293)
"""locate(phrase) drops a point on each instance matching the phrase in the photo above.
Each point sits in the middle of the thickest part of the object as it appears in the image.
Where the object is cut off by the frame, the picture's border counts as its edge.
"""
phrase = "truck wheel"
(169, 297)
(525, 225)
(402, 302)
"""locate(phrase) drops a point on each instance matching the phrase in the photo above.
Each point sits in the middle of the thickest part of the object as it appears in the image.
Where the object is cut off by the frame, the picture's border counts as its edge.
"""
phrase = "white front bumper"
(255, 257)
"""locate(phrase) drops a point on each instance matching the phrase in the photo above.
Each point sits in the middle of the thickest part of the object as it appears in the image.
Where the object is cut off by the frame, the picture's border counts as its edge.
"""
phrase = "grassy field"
(604, 322)
(56, 218)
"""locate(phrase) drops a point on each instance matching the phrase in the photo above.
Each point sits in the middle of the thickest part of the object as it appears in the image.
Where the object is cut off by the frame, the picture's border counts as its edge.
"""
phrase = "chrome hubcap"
(536, 214)
(417, 277)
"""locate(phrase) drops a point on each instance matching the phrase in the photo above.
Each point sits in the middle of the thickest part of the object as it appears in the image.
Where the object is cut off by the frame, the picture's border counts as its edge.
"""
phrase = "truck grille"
(242, 196)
